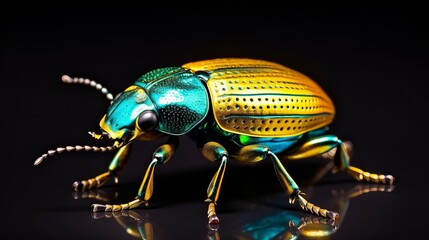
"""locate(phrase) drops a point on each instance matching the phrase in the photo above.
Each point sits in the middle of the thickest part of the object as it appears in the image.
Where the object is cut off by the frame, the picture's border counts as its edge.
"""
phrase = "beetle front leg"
(161, 155)
(214, 152)
(115, 168)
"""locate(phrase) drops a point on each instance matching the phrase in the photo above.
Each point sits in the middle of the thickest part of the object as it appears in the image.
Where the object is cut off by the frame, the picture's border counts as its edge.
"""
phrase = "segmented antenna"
(92, 83)
(77, 148)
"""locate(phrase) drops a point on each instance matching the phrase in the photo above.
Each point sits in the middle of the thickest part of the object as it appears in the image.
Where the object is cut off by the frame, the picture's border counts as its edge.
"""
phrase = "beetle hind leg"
(342, 160)
(115, 168)
(324, 145)
(295, 193)
(361, 175)
(255, 153)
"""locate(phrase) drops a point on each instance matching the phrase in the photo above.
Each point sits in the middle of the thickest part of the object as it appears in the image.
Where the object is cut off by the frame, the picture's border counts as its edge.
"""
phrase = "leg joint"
(252, 153)
(213, 151)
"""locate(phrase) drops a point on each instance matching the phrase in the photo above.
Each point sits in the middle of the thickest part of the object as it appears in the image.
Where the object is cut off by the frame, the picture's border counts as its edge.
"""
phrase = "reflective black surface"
(372, 62)
(251, 208)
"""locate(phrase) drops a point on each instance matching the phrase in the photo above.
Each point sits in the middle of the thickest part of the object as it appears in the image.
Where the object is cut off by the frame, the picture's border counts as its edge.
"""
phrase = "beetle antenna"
(92, 83)
(116, 145)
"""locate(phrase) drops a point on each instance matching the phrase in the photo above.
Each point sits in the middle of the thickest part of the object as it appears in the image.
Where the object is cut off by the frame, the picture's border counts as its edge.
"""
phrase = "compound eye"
(147, 120)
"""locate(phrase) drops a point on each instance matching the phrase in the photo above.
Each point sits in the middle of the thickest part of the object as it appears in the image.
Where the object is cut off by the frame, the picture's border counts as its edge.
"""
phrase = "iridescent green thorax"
(156, 74)
(179, 96)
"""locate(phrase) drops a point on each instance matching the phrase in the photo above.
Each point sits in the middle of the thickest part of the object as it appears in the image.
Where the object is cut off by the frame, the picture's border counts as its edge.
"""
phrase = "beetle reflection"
(292, 224)
(279, 224)
(133, 223)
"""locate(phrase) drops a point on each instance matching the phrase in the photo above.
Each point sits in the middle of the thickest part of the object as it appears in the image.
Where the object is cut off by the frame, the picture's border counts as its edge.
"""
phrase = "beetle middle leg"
(115, 168)
(161, 156)
(321, 144)
(213, 151)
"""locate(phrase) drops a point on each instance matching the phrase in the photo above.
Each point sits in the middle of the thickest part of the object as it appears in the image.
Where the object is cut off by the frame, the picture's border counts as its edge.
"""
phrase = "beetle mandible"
(239, 109)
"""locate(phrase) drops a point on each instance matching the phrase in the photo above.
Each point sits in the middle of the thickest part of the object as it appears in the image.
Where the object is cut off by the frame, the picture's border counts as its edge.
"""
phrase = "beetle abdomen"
(264, 99)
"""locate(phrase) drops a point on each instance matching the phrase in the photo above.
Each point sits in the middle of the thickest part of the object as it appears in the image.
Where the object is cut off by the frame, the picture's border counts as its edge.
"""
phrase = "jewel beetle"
(235, 109)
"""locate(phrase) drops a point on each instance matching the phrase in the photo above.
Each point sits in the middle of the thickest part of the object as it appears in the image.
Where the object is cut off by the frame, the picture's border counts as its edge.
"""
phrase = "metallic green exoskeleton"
(238, 109)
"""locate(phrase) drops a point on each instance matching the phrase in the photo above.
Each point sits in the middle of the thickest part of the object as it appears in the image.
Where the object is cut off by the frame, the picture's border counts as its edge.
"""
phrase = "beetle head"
(170, 100)
(131, 114)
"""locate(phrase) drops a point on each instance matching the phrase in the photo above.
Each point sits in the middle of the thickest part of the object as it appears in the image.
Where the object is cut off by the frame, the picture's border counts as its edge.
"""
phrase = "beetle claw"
(77, 186)
(98, 207)
(213, 219)
(390, 179)
(333, 215)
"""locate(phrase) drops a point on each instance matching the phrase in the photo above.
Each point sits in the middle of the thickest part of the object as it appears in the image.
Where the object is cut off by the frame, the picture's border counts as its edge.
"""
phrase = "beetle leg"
(360, 175)
(331, 153)
(295, 193)
(256, 152)
(322, 144)
(214, 152)
(115, 168)
(161, 155)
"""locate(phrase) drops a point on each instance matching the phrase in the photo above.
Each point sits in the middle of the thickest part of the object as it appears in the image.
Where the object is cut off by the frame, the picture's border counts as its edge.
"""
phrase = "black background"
(371, 62)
